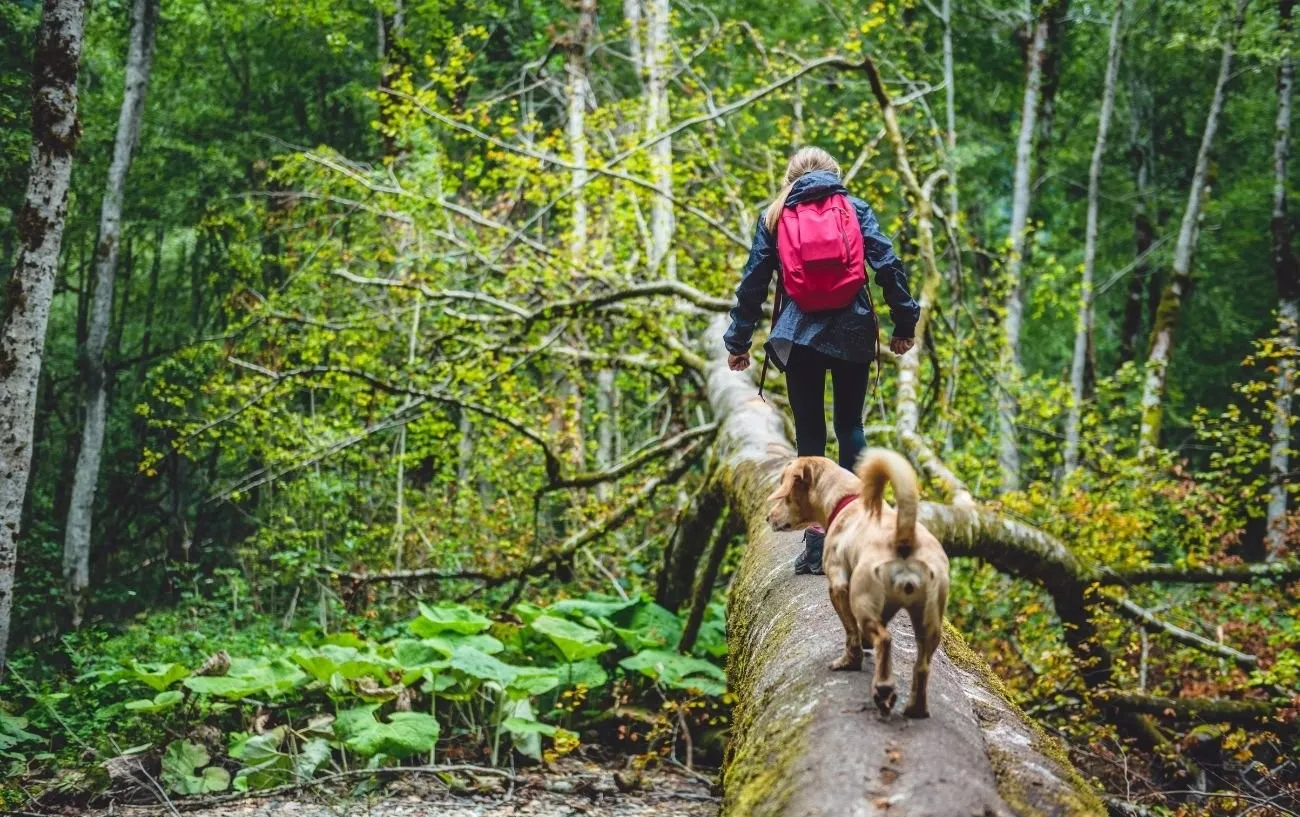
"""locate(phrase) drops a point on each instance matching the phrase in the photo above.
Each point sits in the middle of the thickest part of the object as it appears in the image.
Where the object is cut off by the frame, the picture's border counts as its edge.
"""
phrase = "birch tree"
(76, 541)
(1287, 272)
(26, 309)
(657, 51)
(1021, 192)
(1083, 329)
(1160, 349)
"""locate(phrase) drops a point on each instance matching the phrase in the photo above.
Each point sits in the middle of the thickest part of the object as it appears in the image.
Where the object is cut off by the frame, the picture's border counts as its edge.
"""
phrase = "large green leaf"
(180, 770)
(405, 733)
(678, 671)
(161, 702)
(157, 676)
(480, 666)
(524, 728)
(574, 641)
(530, 681)
(13, 731)
(448, 618)
(594, 607)
(347, 662)
(656, 626)
(589, 674)
(246, 677)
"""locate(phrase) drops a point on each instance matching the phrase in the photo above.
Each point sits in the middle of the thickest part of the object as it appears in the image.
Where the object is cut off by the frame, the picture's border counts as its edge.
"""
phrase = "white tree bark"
(1171, 300)
(575, 127)
(632, 15)
(1083, 330)
(76, 542)
(657, 58)
(27, 295)
(1021, 193)
(1287, 272)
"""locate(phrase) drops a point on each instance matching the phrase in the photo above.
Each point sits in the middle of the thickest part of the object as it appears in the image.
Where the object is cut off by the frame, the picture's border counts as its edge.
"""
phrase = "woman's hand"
(900, 346)
(738, 363)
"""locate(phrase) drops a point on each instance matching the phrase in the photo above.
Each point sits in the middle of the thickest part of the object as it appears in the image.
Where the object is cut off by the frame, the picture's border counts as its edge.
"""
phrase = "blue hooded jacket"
(849, 333)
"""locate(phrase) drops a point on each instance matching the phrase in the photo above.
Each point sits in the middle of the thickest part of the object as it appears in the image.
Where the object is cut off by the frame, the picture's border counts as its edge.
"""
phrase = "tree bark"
(1171, 300)
(1021, 193)
(27, 296)
(1287, 272)
(1083, 331)
(76, 543)
(657, 59)
(802, 741)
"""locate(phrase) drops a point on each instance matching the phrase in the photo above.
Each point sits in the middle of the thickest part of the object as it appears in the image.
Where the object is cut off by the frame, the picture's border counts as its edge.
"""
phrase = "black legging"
(805, 374)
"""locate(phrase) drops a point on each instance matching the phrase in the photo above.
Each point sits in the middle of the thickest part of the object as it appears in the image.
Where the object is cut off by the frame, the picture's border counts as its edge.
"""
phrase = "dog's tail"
(878, 467)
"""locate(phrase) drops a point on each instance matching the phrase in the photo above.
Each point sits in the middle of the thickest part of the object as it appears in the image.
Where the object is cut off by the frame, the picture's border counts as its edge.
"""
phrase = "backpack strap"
(777, 303)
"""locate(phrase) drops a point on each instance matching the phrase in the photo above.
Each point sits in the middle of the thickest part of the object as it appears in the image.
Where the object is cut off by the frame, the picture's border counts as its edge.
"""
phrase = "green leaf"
(180, 764)
(448, 619)
(574, 641)
(13, 731)
(325, 662)
(161, 702)
(405, 734)
(589, 674)
(525, 730)
(657, 626)
(594, 607)
(678, 671)
(481, 666)
(530, 681)
(157, 676)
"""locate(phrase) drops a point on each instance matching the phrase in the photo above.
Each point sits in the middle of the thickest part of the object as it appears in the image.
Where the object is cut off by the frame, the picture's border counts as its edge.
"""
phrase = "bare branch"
(1152, 624)
(662, 448)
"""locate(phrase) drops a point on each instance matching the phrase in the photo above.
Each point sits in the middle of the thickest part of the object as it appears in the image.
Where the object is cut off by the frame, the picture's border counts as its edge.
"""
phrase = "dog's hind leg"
(882, 681)
(927, 629)
(852, 657)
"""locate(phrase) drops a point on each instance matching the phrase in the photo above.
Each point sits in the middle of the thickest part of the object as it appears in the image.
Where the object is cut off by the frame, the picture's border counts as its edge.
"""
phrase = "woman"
(807, 345)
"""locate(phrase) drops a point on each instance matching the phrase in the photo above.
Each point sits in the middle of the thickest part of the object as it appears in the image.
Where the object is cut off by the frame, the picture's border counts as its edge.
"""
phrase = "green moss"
(1005, 768)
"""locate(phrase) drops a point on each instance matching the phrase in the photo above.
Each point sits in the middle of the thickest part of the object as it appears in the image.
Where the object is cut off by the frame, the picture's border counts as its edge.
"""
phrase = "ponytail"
(805, 160)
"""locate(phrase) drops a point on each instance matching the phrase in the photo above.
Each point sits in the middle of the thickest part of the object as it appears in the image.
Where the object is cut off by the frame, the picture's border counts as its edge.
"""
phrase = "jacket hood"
(814, 186)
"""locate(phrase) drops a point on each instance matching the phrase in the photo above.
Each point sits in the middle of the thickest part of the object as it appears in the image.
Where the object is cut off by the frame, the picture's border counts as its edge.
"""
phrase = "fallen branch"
(1212, 710)
(1152, 624)
(1176, 574)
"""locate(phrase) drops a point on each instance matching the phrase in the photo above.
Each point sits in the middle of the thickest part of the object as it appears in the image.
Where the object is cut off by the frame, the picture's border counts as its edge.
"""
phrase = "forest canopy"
(365, 374)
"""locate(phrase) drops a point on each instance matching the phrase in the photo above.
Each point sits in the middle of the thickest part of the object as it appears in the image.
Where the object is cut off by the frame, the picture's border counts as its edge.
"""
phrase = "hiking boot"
(810, 561)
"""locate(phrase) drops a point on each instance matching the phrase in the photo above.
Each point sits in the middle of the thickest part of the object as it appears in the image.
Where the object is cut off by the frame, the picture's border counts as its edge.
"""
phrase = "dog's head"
(792, 500)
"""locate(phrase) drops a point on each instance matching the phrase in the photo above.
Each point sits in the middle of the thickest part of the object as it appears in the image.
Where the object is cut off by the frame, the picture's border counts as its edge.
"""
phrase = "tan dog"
(878, 560)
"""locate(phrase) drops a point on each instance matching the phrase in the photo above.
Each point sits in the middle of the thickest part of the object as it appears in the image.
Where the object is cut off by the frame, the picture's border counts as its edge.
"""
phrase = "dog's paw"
(847, 661)
(885, 698)
(916, 712)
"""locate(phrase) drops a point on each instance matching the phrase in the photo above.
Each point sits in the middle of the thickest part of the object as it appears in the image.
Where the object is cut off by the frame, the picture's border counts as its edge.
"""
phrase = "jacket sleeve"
(890, 275)
(752, 292)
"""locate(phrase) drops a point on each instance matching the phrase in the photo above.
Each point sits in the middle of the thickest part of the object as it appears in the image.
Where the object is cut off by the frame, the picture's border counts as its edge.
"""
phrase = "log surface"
(807, 741)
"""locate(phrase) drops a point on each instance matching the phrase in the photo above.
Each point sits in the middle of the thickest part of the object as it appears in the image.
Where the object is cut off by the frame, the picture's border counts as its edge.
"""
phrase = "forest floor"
(571, 789)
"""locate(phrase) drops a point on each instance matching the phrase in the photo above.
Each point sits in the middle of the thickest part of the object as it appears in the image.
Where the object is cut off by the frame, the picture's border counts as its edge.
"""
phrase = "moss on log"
(806, 741)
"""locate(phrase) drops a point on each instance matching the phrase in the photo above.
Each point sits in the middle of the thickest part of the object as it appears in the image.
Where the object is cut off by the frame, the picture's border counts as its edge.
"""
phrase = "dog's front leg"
(852, 657)
(926, 624)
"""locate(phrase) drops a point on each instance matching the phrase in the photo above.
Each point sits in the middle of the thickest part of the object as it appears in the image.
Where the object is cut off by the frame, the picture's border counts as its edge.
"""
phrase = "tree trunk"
(632, 16)
(27, 296)
(1171, 300)
(1287, 272)
(658, 61)
(76, 543)
(1083, 331)
(802, 741)
(1008, 451)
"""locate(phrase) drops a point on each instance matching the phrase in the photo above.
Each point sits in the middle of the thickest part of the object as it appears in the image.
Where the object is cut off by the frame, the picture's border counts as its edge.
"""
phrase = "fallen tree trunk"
(805, 740)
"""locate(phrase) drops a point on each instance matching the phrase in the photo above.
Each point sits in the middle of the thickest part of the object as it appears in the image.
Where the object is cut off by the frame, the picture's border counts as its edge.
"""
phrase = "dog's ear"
(805, 475)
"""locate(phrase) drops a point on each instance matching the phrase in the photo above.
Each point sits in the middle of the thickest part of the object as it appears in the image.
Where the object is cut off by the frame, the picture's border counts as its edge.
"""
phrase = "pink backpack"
(820, 247)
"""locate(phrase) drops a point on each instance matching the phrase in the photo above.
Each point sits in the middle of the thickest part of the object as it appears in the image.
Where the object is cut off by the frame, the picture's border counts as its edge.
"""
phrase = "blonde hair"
(804, 160)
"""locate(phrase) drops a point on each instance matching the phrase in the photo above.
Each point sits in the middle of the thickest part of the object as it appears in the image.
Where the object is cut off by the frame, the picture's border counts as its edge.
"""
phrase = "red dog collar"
(839, 506)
